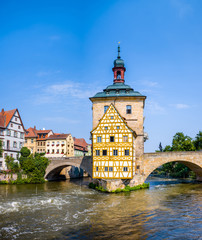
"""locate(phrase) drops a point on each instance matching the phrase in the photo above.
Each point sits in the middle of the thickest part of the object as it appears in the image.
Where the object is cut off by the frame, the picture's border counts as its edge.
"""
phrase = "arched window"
(118, 75)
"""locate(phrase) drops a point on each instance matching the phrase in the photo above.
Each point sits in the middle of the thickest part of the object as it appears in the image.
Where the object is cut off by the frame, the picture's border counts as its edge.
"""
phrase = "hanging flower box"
(57, 145)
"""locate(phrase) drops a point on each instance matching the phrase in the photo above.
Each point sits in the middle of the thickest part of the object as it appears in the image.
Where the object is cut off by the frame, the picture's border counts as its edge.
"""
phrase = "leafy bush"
(25, 152)
(118, 190)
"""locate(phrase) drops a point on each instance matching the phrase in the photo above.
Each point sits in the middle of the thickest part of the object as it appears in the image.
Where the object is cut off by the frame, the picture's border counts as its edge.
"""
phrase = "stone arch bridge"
(192, 160)
(57, 164)
(147, 164)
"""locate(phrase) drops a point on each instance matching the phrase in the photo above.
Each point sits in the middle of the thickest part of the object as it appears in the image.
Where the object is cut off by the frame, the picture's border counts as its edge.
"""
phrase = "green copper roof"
(118, 62)
(118, 90)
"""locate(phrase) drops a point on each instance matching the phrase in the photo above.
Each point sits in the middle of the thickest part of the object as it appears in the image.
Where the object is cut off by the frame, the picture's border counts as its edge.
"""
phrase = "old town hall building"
(118, 132)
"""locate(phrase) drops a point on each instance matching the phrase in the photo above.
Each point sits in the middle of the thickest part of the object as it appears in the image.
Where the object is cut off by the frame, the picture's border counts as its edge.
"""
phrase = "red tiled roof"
(80, 144)
(2, 121)
(58, 136)
(31, 132)
(6, 116)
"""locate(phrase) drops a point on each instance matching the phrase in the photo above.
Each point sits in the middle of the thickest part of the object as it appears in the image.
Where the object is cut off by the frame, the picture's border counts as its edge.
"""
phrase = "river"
(70, 210)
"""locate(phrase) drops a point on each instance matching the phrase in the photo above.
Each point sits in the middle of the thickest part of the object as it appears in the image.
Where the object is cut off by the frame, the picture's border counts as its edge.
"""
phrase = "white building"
(12, 134)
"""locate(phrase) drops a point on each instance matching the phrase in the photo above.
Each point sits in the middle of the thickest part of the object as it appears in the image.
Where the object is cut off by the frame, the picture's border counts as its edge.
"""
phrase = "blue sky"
(54, 55)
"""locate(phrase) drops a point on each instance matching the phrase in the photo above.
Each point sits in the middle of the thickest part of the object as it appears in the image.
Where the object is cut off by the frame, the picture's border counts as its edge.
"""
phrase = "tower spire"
(119, 51)
(119, 68)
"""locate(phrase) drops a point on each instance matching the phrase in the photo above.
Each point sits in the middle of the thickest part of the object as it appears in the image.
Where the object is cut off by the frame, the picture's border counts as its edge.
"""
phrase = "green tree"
(182, 143)
(25, 152)
(12, 164)
(198, 141)
(160, 147)
(34, 166)
(167, 148)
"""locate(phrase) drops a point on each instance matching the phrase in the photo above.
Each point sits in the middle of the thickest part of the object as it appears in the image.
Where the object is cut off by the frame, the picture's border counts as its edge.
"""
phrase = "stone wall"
(134, 121)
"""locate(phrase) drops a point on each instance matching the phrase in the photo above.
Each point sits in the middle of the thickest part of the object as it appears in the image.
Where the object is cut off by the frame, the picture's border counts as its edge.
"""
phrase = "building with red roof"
(12, 134)
(80, 147)
(35, 139)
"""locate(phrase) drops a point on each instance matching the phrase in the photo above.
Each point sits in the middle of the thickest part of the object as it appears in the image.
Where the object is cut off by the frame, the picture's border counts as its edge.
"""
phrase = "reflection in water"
(70, 210)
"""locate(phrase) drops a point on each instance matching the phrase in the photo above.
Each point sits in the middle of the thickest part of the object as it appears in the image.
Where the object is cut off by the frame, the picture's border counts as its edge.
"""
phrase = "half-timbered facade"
(113, 149)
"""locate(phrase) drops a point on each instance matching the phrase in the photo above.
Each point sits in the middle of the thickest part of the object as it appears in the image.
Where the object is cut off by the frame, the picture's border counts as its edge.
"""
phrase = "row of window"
(15, 145)
(41, 144)
(57, 151)
(111, 139)
(15, 134)
(42, 135)
(110, 169)
(19, 127)
(115, 152)
(128, 109)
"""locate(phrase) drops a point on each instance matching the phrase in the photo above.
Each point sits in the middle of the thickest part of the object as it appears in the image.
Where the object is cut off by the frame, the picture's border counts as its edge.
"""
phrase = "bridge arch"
(192, 160)
(57, 164)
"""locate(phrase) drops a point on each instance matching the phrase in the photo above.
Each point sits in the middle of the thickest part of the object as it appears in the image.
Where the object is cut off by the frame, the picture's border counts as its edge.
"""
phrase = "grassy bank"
(118, 190)
(21, 181)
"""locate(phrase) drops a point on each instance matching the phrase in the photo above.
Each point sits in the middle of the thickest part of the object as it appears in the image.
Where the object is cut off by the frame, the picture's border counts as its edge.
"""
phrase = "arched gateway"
(57, 164)
(151, 161)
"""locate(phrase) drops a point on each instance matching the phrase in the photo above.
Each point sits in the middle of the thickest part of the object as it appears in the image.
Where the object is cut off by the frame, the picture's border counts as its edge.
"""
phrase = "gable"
(112, 119)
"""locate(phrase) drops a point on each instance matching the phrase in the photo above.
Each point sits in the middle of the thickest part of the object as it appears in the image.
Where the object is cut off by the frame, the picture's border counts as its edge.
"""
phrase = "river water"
(70, 210)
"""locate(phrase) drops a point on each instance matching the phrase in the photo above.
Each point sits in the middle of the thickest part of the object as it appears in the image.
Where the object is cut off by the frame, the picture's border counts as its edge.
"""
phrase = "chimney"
(34, 127)
(2, 111)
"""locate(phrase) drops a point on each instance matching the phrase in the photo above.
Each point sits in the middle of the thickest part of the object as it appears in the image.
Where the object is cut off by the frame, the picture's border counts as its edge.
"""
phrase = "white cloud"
(150, 83)
(183, 8)
(154, 107)
(65, 92)
(181, 106)
(70, 89)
